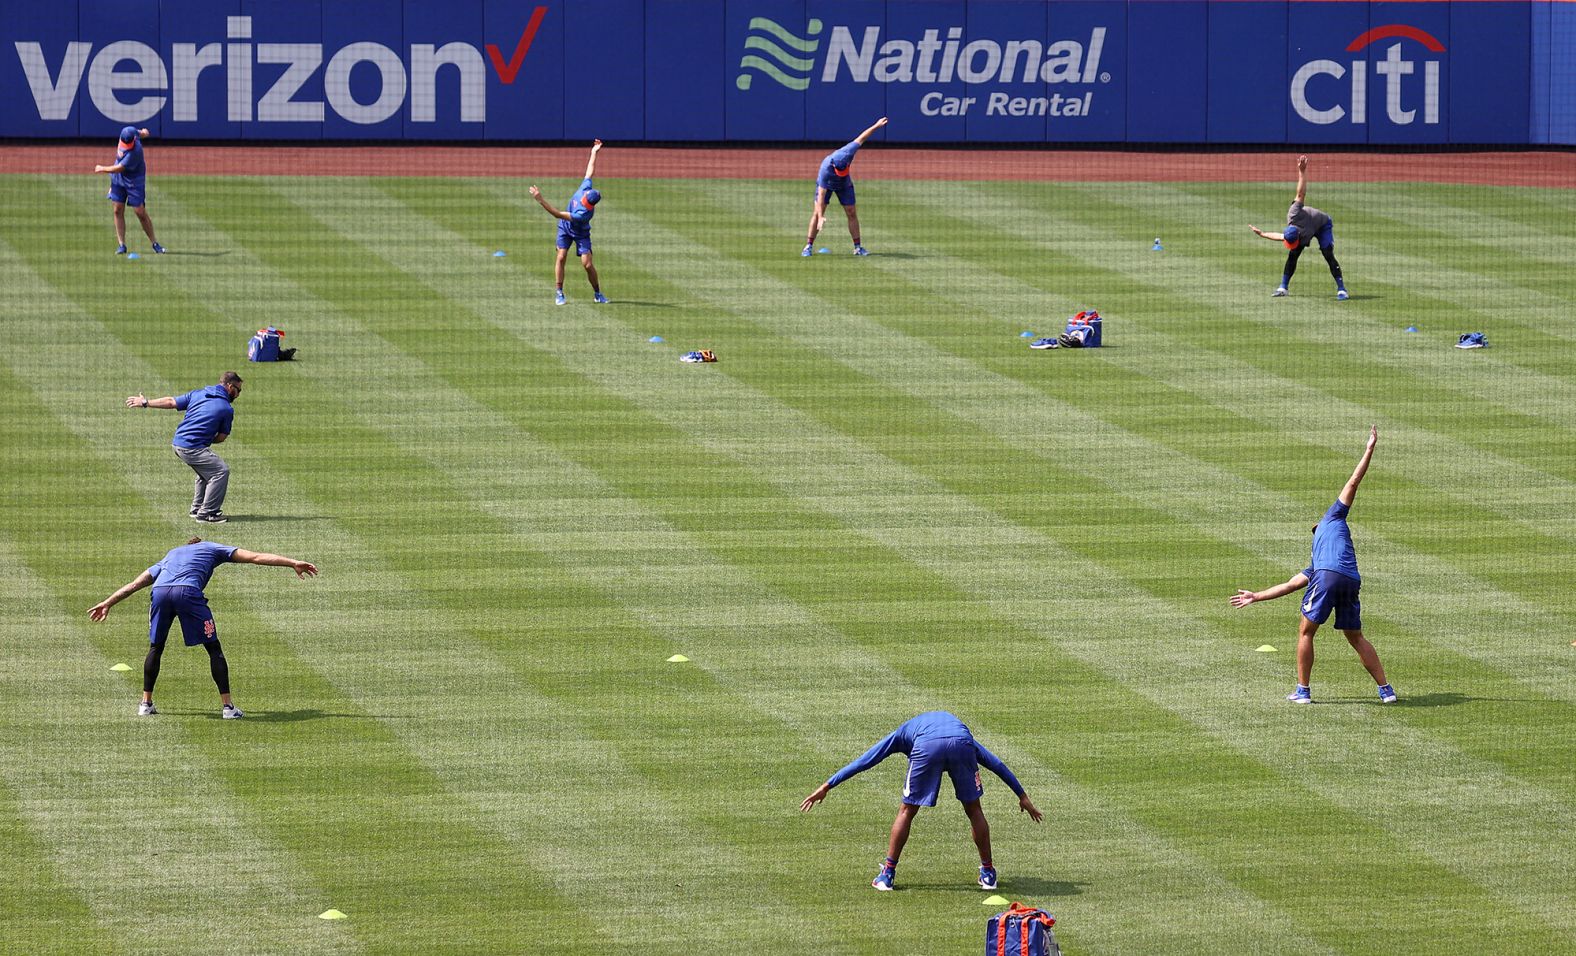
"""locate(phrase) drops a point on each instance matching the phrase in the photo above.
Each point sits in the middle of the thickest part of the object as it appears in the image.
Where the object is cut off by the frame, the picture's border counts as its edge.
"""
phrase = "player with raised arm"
(833, 177)
(178, 580)
(128, 186)
(1303, 225)
(1332, 582)
(575, 225)
(934, 742)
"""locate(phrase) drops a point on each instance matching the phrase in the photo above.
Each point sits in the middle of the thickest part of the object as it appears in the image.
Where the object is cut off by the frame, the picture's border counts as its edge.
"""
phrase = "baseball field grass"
(465, 734)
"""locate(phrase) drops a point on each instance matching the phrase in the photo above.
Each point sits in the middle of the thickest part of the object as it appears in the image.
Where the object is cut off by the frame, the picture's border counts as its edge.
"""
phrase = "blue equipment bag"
(1021, 931)
(264, 346)
(1085, 326)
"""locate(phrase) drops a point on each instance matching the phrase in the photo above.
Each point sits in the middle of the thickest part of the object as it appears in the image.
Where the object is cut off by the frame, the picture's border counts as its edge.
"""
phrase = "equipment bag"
(1084, 327)
(1021, 931)
(264, 346)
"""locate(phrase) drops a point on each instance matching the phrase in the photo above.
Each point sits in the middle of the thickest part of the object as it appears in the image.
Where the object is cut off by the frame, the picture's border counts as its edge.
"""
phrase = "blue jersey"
(580, 211)
(1332, 544)
(935, 725)
(135, 166)
(190, 565)
(208, 413)
(835, 167)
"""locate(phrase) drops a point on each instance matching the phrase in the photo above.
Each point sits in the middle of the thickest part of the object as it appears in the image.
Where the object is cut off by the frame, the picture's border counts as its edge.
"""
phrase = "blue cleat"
(806, 251)
(860, 251)
(883, 880)
(987, 877)
(1300, 696)
(1386, 694)
(120, 250)
(558, 297)
(600, 299)
(158, 249)
(1341, 295)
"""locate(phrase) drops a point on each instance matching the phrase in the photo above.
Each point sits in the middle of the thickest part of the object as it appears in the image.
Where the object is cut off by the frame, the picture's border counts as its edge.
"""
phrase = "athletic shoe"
(1045, 344)
(1386, 694)
(807, 251)
(1278, 293)
(231, 712)
(860, 251)
(600, 299)
(558, 297)
(158, 249)
(883, 880)
(120, 250)
(1341, 295)
(146, 709)
(218, 517)
(1300, 696)
(987, 877)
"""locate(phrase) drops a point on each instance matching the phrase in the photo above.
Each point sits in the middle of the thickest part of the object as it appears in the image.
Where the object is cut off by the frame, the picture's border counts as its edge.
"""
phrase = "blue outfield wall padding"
(1167, 95)
(988, 71)
(605, 87)
(1247, 48)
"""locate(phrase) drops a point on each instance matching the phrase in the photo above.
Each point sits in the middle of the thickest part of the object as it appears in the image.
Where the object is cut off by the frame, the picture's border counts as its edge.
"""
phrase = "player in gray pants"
(209, 417)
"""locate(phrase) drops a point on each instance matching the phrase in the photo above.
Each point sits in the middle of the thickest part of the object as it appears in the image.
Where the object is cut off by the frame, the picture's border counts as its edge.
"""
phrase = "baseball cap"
(1290, 237)
(593, 197)
(128, 136)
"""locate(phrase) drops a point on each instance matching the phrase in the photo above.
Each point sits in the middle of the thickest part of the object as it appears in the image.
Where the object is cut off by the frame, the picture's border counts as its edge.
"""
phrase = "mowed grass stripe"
(408, 856)
(698, 283)
(376, 227)
(597, 837)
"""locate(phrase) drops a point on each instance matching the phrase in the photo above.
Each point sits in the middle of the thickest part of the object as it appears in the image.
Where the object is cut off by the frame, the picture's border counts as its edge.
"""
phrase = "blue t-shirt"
(208, 413)
(136, 166)
(828, 177)
(580, 211)
(933, 725)
(190, 565)
(1332, 544)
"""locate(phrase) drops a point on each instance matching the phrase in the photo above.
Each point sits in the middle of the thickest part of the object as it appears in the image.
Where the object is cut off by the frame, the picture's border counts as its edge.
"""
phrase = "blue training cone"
(499, 254)
(655, 338)
(1411, 328)
(821, 251)
(1025, 334)
(132, 255)
(1157, 247)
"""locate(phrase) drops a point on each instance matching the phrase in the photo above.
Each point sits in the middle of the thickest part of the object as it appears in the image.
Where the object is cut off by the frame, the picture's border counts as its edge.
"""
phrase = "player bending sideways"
(128, 182)
(1332, 582)
(1303, 225)
(934, 742)
(575, 226)
(834, 177)
(178, 580)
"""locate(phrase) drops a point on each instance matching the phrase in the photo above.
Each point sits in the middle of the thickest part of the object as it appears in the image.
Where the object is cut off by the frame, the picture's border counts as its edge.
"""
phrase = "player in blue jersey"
(575, 226)
(127, 186)
(1304, 224)
(178, 580)
(210, 415)
(934, 742)
(834, 177)
(1332, 582)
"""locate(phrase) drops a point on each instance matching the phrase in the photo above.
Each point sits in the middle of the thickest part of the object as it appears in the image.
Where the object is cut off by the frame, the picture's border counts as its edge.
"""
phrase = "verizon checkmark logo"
(508, 71)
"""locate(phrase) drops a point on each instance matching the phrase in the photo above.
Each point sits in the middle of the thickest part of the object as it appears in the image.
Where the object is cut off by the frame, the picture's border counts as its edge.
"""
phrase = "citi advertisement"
(988, 71)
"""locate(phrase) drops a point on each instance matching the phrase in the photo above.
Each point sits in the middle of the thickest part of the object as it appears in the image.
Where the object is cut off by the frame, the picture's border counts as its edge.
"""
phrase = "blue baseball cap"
(593, 197)
(128, 136)
(1291, 236)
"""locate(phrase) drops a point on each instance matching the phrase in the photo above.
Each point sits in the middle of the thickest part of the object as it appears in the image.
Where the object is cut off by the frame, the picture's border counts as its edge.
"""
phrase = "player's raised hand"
(596, 144)
(881, 122)
(1373, 436)
(1243, 598)
(1302, 164)
(814, 798)
(1025, 805)
(536, 193)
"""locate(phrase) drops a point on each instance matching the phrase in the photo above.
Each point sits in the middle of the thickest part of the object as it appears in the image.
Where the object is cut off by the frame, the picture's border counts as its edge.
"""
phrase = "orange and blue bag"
(1021, 931)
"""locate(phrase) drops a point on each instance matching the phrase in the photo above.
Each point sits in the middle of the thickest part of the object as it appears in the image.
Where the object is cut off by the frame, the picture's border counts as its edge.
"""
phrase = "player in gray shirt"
(1303, 225)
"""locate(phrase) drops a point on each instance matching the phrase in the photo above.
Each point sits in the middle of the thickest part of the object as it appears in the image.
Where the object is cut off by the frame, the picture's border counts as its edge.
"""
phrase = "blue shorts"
(844, 193)
(1326, 236)
(128, 193)
(566, 232)
(925, 765)
(190, 606)
(1333, 591)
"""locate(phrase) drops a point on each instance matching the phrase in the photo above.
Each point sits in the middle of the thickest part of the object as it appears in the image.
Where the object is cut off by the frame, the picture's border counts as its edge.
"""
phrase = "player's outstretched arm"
(1271, 236)
(1349, 492)
(1302, 177)
(596, 147)
(860, 139)
(536, 194)
(303, 569)
(137, 401)
(100, 611)
(814, 798)
(1244, 598)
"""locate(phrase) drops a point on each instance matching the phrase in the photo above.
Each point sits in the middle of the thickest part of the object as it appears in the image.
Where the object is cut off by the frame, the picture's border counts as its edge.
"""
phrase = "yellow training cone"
(1266, 649)
(332, 914)
(121, 667)
(678, 659)
(994, 901)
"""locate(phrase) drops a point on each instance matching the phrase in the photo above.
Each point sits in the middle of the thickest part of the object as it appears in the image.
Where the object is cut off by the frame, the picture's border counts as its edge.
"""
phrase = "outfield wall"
(947, 71)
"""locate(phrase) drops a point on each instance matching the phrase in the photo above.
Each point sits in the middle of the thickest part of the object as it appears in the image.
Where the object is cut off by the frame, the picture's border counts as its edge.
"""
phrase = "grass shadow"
(204, 255)
(261, 518)
(310, 713)
(648, 305)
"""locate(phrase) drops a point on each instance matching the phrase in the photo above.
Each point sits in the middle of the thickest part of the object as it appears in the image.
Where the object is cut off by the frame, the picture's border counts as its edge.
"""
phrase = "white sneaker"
(1278, 293)
(146, 709)
(1341, 295)
(231, 712)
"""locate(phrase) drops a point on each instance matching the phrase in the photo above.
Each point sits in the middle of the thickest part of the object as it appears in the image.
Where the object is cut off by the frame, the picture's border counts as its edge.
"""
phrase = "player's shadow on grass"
(205, 255)
(647, 305)
(260, 518)
(1018, 887)
(1436, 700)
(900, 255)
(295, 716)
